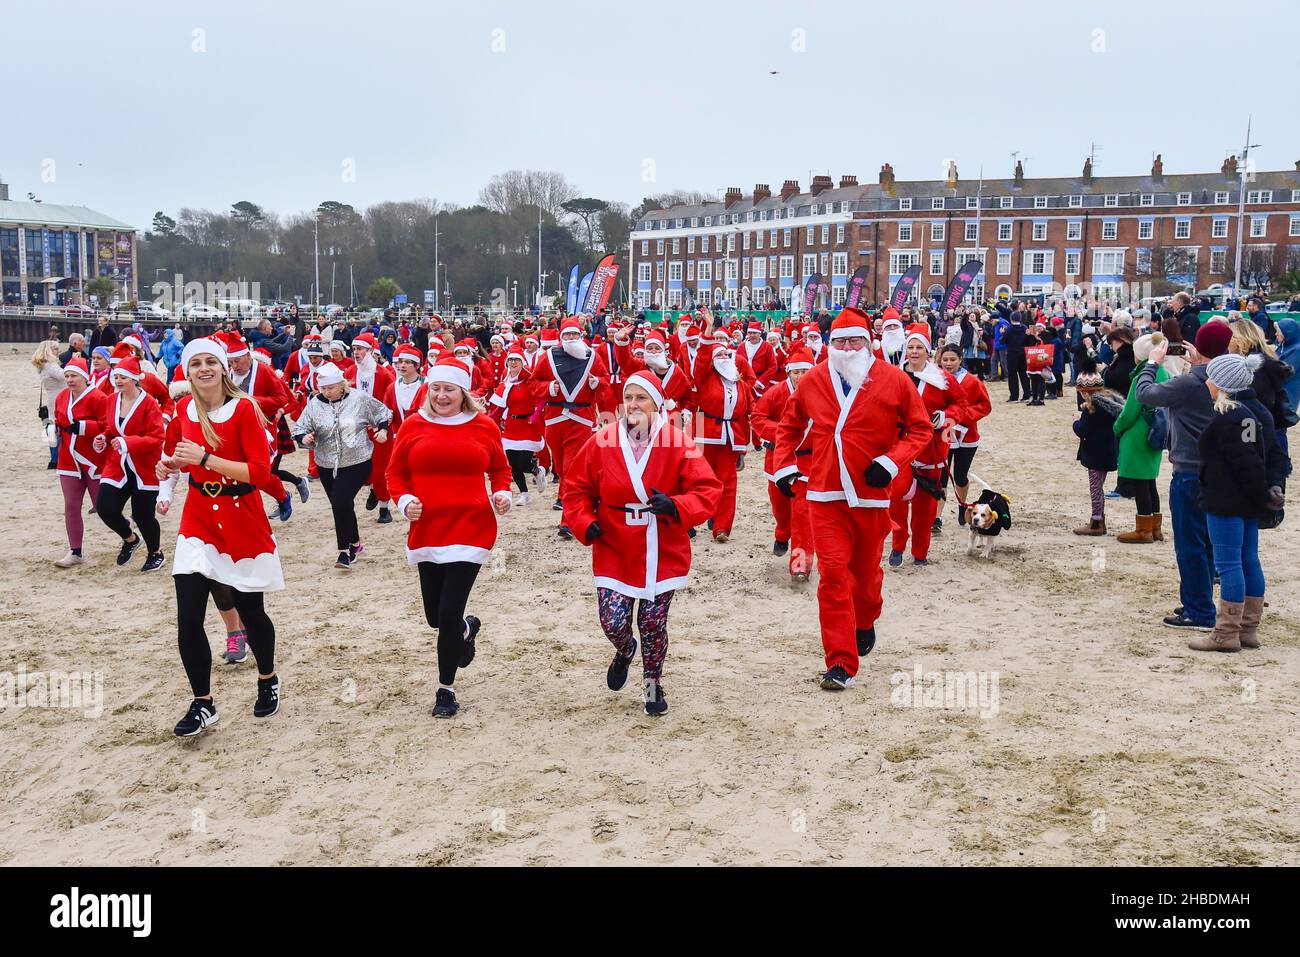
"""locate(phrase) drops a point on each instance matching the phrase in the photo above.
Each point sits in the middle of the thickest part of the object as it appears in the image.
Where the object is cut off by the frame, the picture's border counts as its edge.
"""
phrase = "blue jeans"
(1192, 548)
(1236, 555)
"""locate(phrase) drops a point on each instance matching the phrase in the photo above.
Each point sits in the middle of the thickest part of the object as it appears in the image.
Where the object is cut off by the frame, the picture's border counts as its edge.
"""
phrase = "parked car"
(77, 309)
(199, 310)
(151, 310)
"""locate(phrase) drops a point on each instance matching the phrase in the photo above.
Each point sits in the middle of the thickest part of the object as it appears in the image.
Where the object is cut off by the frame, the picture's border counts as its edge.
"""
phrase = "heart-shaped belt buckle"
(212, 489)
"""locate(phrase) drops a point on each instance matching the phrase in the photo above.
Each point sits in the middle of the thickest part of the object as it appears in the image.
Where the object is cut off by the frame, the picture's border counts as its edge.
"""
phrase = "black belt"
(526, 415)
(803, 452)
(217, 489)
(572, 405)
(715, 418)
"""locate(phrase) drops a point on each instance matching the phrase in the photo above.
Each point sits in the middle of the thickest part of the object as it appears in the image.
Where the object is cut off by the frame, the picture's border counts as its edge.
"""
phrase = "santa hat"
(849, 323)
(516, 352)
(311, 337)
(774, 335)
(648, 382)
(808, 329)
(469, 344)
(497, 337)
(407, 352)
(691, 331)
(919, 331)
(338, 344)
(367, 340)
(449, 369)
(550, 337)
(654, 335)
(530, 338)
(890, 313)
(120, 351)
(78, 365)
(313, 346)
(800, 357)
(209, 346)
(753, 327)
(261, 355)
(130, 368)
(132, 341)
(570, 322)
(234, 343)
(327, 373)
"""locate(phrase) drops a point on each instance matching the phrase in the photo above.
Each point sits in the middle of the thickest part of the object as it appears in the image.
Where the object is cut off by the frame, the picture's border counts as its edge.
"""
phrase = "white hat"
(204, 347)
(327, 373)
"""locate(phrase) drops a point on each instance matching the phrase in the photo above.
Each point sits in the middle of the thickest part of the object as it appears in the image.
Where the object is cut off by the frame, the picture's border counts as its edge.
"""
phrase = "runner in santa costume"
(224, 544)
(78, 410)
(868, 424)
(259, 382)
(514, 408)
(100, 365)
(892, 338)
(674, 381)
(340, 357)
(608, 350)
(371, 377)
(767, 416)
(149, 382)
(812, 338)
(919, 488)
(300, 360)
(437, 473)
(406, 394)
(761, 359)
(637, 486)
(570, 379)
(496, 360)
(481, 384)
(778, 350)
(532, 349)
(130, 438)
(304, 387)
(966, 438)
(722, 424)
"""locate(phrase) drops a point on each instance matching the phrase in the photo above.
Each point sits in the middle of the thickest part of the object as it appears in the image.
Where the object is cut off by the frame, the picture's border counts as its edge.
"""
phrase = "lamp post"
(1241, 211)
(514, 294)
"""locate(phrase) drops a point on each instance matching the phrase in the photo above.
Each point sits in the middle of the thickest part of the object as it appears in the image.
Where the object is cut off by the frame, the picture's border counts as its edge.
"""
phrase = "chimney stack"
(820, 183)
(1158, 169)
(887, 177)
(846, 181)
(733, 196)
(789, 188)
(761, 192)
(1229, 167)
(951, 181)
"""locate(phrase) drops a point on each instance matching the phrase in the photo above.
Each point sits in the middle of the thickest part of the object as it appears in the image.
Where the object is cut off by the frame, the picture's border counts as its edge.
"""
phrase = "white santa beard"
(574, 347)
(893, 341)
(726, 368)
(851, 365)
(656, 360)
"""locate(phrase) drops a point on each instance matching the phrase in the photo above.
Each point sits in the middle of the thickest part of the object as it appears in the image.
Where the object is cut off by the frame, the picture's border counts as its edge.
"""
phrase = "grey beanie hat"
(1231, 373)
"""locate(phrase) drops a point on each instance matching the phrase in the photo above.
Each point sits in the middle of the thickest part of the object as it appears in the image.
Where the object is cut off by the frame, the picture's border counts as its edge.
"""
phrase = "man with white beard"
(674, 382)
(722, 423)
(893, 339)
(760, 357)
(868, 423)
(368, 376)
(812, 338)
(571, 379)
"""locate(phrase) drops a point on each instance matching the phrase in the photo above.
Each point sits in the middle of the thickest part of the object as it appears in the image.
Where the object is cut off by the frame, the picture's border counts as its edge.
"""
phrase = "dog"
(988, 518)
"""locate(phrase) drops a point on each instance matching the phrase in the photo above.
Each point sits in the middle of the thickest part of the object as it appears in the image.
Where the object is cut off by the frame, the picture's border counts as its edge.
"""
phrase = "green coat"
(1137, 460)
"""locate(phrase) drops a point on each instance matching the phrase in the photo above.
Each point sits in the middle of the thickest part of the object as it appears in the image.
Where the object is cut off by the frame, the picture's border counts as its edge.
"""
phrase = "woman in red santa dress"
(636, 487)
(77, 413)
(965, 438)
(722, 398)
(793, 533)
(130, 437)
(918, 488)
(514, 408)
(224, 541)
(437, 471)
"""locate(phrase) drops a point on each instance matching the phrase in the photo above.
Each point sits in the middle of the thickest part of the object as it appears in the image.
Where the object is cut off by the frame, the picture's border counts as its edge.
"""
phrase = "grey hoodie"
(1190, 411)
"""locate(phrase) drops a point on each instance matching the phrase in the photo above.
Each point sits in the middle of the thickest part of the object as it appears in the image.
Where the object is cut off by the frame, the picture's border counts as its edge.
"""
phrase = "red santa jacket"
(151, 384)
(403, 400)
(883, 420)
(512, 406)
(723, 407)
(967, 435)
(574, 400)
(766, 417)
(141, 425)
(442, 462)
(674, 382)
(639, 554)
(942, 398)
(762, 359)
(77, 457)
(295, 367)
(268, 390)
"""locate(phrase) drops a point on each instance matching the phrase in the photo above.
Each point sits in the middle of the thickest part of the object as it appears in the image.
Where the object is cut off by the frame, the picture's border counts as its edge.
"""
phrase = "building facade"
(49, 252)
(1115, 238)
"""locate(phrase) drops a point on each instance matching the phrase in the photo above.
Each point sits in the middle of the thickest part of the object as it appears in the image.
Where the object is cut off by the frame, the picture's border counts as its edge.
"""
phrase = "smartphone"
(1177, 349)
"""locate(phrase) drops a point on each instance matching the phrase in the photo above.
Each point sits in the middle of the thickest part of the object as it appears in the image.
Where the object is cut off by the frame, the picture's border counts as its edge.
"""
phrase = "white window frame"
(1076, 201)
(1293, 229)
(677, 247)
(1109, 231)
(1004, 232)
(1262, 223)
(905, 203)
(1222, 266)
(1146, 229)
(1220, 197)
(1006, 202)
(645, 247)
(675, 271)
(1184, 199)
(704, 270)
(1004, 264)
(904, 259)
(936, 263)
(1097, 258)
(970, 234)
(810, 235)
(642, 272)
(760, 268)
(1219, 227)
(904, 232)
(1038, 233)
(690, 270)
(1183, 229)
(1072, 262)
(809, 265)
(1112, 199)
(659, 247)
(826, 234)
(690, 244)
(1048, 257)
(1073, 230)
(840, 264)
(1147, 199)
(1040, 202)
(785, 239)
(839, 233)
(936, 202)
(972, 202)
(937, 230)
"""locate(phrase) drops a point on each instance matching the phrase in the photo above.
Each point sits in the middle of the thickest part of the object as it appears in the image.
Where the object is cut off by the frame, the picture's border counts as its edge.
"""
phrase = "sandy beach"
(1108, 742)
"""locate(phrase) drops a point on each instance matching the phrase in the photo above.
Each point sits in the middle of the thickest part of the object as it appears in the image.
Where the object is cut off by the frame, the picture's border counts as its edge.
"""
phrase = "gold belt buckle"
(212, 489)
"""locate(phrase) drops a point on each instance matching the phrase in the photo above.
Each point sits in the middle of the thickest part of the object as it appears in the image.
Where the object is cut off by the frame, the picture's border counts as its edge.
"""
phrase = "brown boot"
(1096, 526)
(1252, 612)
(1141, 535)
(1156, 534)
(1227, 630)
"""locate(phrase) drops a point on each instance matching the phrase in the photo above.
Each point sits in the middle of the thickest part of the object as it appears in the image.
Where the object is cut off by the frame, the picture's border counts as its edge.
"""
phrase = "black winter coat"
(1098, 444)
(1240, 460)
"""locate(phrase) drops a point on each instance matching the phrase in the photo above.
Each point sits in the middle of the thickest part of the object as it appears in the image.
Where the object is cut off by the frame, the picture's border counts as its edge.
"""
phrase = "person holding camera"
(635, 490)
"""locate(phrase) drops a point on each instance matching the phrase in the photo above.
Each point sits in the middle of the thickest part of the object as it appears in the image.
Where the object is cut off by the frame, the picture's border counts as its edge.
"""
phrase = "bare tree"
(526, 187)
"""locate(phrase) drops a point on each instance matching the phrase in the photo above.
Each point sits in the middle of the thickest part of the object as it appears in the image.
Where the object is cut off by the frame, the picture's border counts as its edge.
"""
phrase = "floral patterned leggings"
(651, 622)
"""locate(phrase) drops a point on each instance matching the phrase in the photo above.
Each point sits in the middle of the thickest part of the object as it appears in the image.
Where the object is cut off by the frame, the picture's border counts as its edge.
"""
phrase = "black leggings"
(282, 474)
(1147, 495)
(112, 503)
(1037, 388)
(1017, 374)
(522, 464)
(192, 606)
(342, 491)
(959, 461)
(445, 588)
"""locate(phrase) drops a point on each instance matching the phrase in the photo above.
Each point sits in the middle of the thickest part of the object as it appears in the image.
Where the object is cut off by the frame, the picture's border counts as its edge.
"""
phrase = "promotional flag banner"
(571, 297)
(602, 284)
(857, 283)
(903, 288)
(960, 283)
(581, 297)
(811, 286)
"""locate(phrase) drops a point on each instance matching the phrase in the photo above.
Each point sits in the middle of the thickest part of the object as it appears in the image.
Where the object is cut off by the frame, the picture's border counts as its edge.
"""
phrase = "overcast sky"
(156, 105)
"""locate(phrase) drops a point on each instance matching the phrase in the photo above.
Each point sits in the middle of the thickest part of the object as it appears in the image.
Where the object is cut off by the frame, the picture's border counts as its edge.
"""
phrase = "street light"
(514, 294)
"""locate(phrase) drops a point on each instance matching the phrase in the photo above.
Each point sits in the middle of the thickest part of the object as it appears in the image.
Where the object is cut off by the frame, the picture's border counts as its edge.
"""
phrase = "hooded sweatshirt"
(1290, 354)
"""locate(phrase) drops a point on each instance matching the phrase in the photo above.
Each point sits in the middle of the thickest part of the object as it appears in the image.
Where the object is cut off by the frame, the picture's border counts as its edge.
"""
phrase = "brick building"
(1104, 236)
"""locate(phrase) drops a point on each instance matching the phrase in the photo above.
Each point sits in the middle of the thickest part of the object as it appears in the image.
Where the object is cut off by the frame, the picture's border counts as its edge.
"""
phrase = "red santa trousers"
(565, 439)
(722, 459)
(379, 467)
(923, 507)
(781, 507)
(801, 538)
(849, 544)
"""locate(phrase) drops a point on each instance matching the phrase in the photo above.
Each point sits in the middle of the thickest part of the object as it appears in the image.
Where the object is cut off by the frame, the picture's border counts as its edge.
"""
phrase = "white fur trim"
(651, 591)
(260, 574)
(887, 464)
(445, 372)
(442, 554)
(848, 332)
(933, 375)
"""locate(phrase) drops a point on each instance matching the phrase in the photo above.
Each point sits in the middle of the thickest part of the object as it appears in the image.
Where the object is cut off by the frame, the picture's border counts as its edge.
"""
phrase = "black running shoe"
(837, 679)
(128, 549)
(445, 704)
(780, 548)
(385, 516)
(710, 524)
(937, 527)
(866, 641)
(268, 697)
(895, 559)
(653, 695)
(961, 514)
(565, 532)
(920, 562)
(202, 714)
(558, 506)
(153, 562)
(690, 532)
(616, 677)
(372, 500)
(344, 561)
(1187, 624)
(472, 625)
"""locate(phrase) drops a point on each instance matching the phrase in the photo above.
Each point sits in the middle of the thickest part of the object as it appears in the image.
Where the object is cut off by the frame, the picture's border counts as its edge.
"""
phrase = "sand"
(1110, 743)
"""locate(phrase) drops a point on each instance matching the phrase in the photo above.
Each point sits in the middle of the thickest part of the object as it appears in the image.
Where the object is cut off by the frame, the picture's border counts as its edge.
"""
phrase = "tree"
(164, 225)
(524, 187)
(586, 209)
(382, 291)
(103, 289)
(669, 200)
(247, 213)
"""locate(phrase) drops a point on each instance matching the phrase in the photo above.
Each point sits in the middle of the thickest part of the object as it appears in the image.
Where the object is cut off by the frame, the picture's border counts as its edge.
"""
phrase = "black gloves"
(593, 532)
(72, 428)
(878, 476)
(785, 484)
(661, 504)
